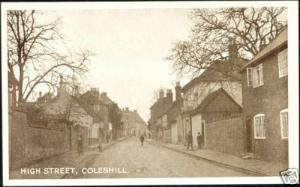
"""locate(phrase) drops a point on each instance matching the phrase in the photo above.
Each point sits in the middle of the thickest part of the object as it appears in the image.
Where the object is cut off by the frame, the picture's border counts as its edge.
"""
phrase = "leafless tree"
(249, 28)
(34, 57)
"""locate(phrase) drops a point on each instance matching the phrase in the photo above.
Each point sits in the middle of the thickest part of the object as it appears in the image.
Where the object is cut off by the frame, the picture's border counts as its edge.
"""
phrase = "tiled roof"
(278, 42)
(218, 71)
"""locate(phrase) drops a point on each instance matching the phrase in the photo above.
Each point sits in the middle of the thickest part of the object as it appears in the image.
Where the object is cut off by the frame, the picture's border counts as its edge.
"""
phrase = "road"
(129, 159)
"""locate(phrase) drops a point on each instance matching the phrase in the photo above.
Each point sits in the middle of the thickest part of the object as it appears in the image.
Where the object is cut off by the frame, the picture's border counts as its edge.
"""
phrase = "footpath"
(249, 166)
(69, 159)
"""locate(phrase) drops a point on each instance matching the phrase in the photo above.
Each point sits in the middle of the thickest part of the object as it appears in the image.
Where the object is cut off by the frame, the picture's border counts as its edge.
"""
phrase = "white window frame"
(258, 72)
(249, 77)
(281, 57)
(254, 125)
(281, 123)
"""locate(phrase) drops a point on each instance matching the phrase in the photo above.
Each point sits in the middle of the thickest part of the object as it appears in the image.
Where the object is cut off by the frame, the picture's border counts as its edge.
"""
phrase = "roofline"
(194, 112)
(255, 61)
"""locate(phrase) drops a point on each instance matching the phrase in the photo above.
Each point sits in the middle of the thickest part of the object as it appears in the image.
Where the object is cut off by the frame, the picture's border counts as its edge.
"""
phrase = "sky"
(130, 48)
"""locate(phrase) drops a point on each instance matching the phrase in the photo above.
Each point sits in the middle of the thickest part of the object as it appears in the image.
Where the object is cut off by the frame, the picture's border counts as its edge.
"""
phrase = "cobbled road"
(148, 161)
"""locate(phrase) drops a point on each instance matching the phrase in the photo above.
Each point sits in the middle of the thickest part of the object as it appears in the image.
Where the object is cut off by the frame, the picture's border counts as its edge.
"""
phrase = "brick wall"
(225, 136)
(268, 99)
(29, 144)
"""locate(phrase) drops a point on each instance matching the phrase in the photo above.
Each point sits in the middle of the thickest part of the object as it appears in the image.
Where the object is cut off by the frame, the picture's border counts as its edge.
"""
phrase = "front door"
(249, 136)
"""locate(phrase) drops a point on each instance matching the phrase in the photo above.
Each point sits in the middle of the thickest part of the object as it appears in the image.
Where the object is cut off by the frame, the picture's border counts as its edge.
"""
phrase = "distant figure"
(80, 145)
(142, 140)
(107, 138)
(190, 140)
(100, 148)
(199, 140)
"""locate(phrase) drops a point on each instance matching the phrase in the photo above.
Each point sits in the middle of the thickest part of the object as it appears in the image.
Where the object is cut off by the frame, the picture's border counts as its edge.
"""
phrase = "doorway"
(249, 140)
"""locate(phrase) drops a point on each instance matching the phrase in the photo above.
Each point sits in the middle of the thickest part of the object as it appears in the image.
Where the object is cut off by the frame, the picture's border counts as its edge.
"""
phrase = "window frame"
(280, 74)
(259, 74)
(281, 124)
(254, 126)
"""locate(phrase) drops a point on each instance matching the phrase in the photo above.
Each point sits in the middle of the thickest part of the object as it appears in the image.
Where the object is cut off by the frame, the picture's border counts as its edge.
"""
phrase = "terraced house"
(265, 101)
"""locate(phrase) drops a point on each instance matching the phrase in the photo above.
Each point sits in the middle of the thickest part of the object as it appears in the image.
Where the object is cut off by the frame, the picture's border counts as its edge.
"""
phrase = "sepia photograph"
(105, 91)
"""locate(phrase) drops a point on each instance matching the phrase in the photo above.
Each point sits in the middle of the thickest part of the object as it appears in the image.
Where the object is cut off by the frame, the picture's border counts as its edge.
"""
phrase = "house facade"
(265, 101)
(221, 128)
(208, 82)
(133, 124)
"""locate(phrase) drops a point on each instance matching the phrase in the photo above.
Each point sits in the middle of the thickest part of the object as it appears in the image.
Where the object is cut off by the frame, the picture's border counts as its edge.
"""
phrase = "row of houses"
(239, 107)
(52, 124)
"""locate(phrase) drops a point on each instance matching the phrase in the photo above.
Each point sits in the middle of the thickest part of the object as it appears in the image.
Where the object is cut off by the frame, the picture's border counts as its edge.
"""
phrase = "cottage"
(221, 74)
(221, 126)
(265, 101)
(133, 124)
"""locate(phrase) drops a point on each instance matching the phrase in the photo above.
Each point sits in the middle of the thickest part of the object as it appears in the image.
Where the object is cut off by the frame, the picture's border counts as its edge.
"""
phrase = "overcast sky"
(130, 47)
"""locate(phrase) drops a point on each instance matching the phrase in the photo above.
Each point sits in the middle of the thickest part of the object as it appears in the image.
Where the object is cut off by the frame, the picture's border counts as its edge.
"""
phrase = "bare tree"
(250, 29)
(34, 57)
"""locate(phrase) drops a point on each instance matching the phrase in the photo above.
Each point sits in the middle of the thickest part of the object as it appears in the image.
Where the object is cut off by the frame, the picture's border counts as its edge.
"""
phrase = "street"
(149, 161)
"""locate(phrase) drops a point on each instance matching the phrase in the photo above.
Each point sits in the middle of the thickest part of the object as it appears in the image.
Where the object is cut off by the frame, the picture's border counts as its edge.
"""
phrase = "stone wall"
(29, 144)
(225, 136)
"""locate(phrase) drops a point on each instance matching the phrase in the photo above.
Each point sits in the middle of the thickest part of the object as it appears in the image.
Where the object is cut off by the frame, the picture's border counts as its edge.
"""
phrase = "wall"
(29, 144)
(225, 136)
(268, 99)
(196, 127)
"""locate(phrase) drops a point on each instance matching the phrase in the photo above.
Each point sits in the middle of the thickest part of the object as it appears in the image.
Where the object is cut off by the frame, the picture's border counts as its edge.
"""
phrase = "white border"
(292, 82)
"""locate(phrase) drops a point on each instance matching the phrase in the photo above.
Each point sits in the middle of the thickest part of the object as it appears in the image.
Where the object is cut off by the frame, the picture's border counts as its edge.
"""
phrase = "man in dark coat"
(190, 140)
(199, 140)
(142, 139)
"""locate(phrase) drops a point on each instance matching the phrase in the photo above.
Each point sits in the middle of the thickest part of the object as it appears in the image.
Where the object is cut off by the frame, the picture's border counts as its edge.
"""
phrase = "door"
(203, 133)
(249, 141)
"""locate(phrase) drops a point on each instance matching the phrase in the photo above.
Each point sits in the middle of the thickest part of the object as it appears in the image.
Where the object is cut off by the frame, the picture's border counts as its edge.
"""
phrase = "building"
(220, 74)
(133, 124)
(174, 117)
(98, 108)
(265, 101)
(158, 120)
(221, 123)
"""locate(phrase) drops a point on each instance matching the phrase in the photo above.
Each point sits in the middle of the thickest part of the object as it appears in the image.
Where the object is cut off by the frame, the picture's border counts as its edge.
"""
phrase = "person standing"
(199, 140)
(190, 140)
(80, 145)
(142, 140)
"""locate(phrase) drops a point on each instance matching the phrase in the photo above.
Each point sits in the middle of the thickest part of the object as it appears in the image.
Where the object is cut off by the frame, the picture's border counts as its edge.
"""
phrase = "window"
(255, 76)
(249, 76)
(284, 123)
(283, 63)
(259, 126)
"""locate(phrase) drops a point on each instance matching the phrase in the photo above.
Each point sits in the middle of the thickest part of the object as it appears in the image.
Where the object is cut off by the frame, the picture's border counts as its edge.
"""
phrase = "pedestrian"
(100, 148)
(80, 145)
(199, 140)
(190, 140)
(142, 139)
(107, 138)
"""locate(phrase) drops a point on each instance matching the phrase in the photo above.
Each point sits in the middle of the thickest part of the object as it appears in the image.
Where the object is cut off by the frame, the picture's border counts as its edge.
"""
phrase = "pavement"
(69, 159)
(248, 166)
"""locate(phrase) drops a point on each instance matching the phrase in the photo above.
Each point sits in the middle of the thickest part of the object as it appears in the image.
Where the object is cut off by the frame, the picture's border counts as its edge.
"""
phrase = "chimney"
(178, 91)
(169, 95)
(95, 93)
(161, 93)
(40, 94)
(62, 89)
(104, 94)
(232, 49)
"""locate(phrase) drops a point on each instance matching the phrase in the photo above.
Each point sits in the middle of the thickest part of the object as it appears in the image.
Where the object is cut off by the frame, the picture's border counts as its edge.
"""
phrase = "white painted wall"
(196, 127)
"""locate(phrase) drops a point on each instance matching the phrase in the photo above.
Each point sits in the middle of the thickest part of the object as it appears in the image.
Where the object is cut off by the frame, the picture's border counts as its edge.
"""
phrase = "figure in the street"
(100, 148)
(142, 140)
(107, 138)
(190, 140)
(199, 140)
(80, 145)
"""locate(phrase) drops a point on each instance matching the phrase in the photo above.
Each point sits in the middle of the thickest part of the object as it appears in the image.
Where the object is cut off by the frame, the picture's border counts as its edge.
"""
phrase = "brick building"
(265, 101)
